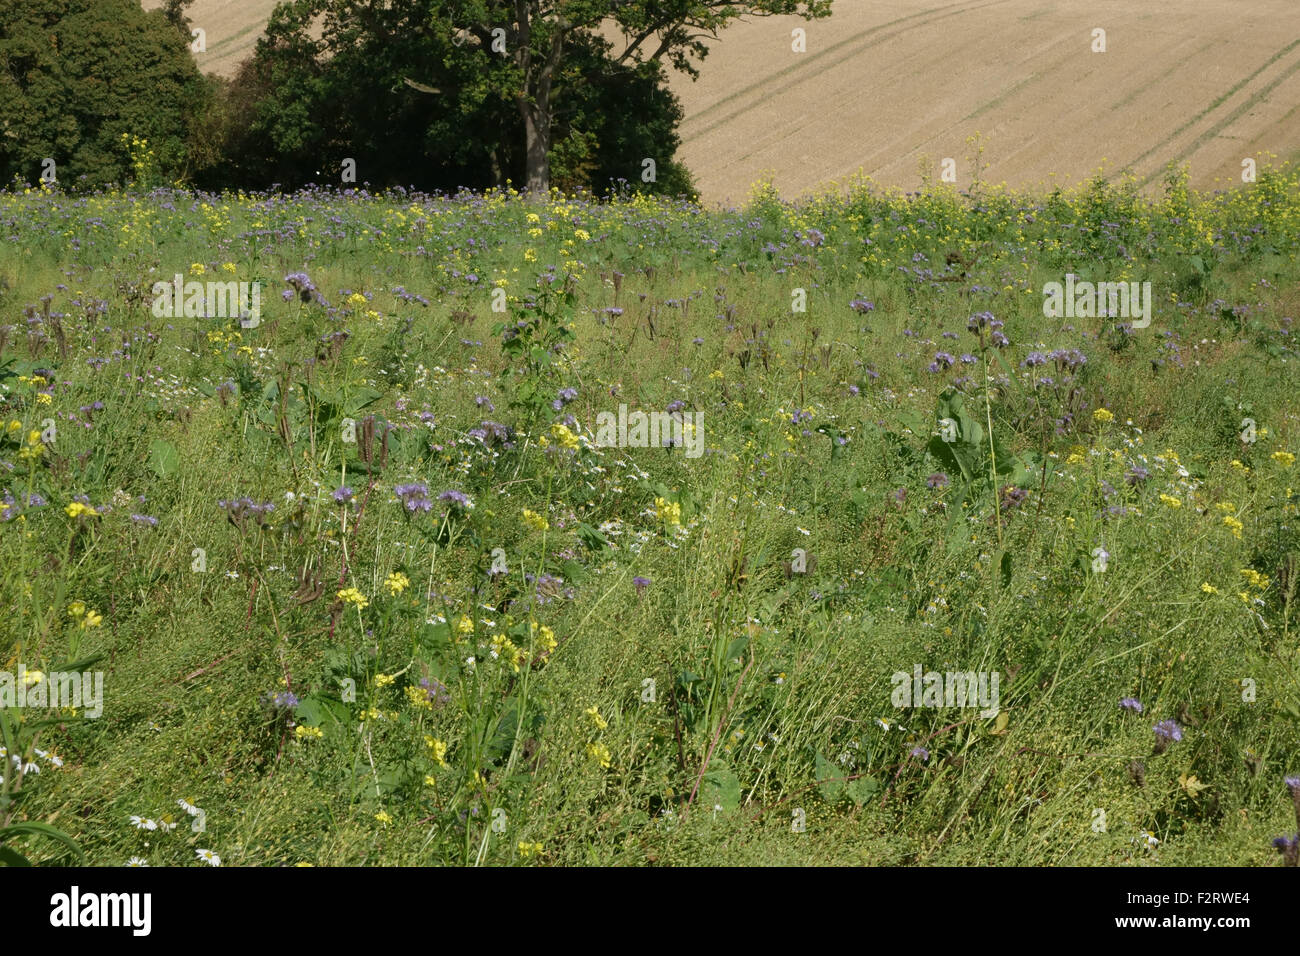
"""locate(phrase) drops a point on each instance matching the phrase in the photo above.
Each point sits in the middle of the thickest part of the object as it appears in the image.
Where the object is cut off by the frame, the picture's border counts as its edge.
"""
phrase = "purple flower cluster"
(458, 499)
(414, 497)
(238, 510)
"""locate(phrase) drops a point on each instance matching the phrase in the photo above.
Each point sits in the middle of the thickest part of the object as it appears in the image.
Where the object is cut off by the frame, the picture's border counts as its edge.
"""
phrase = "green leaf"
(44, 829)
(315, 710)
(164, 459)
(1004, 568)
(862, 789)
(720, 787)
(830, 788)
(13, 858)
(736, 648)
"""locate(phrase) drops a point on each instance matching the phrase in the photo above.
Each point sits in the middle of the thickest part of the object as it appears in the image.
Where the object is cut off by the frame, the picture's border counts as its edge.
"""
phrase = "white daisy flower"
(208, 856)
(137, 861)
(188, 806)
(142, 823)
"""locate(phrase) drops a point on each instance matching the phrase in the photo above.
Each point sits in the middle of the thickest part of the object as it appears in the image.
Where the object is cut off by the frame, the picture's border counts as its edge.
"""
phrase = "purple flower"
(641, 584)
(1169, 730)
(458, 499)
(1131, 703)
(920, 752)
(1289, 848)
(415, 497)
(280, 700)
(1013, 497)
(342, 495)
(862, 306)
(148, 520)
(549, 587)
(1136, 474)
(937, 480)
(435, 691)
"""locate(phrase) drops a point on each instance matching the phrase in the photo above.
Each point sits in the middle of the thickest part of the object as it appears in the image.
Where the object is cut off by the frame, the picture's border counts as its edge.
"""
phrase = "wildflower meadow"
(426, 529)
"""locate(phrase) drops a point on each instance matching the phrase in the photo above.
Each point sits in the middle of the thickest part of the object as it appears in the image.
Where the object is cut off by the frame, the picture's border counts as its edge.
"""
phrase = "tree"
(75, 75)
(416, 103)
(532, 36)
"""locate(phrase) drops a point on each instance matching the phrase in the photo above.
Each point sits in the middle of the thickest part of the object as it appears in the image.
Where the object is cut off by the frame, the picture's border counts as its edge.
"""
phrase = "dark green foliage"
(76, 75)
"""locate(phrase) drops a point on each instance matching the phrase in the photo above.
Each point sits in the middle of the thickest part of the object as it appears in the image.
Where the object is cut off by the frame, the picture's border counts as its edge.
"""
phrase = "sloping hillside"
(891, 88)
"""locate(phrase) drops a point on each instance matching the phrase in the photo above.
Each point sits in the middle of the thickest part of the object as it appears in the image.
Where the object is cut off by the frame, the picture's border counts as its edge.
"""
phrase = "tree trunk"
(537, 147)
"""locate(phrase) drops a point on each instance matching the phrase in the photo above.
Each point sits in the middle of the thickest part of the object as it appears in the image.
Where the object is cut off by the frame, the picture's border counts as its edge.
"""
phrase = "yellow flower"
(1171, 501)
(1284, 458)
(357, 298)
(545, 637)
(596, 719)
(76, 608)
(429, 780)
(383, 818)
(43, 398)
(530, 256)
(353, 596)
(303, 732)
(437, 750)
(565, 437)
(600, 753)
(396, 583)
(669, 511)
(1075, 459)
(32, 677)
(1239, 466)
(383, 680)
(1233, 524)
(529, 849)
(228, 267)
(197, 269)
(1209, 588)
(464, 625)
(535, 521)
(1256, 579)
(1103, 415)
(92, 619)
(581, 235)
(76, 509)
(418, 697)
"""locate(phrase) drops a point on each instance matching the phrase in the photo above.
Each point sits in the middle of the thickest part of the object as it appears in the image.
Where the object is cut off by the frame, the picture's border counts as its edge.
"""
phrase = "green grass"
(771, 688)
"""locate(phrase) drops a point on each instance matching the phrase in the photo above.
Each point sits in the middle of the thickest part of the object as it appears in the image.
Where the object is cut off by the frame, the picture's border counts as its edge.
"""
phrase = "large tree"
(416, 103)
(533, 35)
(75, 75)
